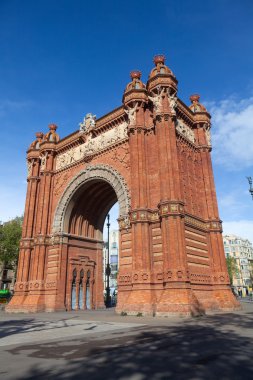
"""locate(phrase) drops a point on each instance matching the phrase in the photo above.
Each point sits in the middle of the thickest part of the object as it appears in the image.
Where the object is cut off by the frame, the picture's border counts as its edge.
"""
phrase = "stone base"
(136, 302)
(177, 302)
(217, 299)
(226, 299)
(169, 302)
(149, 302)
(26, 304)
(180, 302)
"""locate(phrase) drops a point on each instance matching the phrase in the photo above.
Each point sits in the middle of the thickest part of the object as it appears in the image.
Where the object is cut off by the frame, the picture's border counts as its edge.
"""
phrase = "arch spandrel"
(91, 172)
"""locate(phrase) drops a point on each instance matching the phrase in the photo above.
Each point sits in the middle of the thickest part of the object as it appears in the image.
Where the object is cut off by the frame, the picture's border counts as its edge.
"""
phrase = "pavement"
(103, 345)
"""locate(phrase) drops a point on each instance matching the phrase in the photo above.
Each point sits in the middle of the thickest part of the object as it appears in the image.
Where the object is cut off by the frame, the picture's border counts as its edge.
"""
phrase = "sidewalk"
(102, 345)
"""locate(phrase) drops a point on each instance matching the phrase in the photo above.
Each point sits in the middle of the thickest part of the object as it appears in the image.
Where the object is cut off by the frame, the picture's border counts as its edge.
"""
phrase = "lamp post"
(108, 269)
(250, 186)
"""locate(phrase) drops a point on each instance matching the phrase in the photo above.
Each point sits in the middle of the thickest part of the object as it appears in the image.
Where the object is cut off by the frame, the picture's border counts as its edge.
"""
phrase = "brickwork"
(152, 155)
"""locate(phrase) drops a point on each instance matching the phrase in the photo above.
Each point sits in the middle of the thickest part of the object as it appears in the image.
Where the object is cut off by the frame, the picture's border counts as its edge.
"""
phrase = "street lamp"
(250, 186)
(108, 269)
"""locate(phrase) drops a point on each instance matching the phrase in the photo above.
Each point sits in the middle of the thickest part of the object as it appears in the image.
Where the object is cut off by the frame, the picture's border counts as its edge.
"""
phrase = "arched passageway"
(86, 216)
(84, 207)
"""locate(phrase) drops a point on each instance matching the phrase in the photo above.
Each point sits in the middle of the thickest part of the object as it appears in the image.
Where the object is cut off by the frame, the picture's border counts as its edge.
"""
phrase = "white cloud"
(234, 204)
(242, 228)
(232, 132)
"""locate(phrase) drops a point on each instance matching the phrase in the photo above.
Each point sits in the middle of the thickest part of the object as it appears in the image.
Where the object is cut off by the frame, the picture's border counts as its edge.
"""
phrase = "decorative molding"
(124, 222)
(156, 99)
(43, 162)
(92, 146)
(195, 222)
(185, 131)
(60, 182)
(207, 129)
(200, 278)
(173, 103)
(88, 123)
(131, 114)
(144, 215)
(99, 172)
(123, 156)
(29, 168)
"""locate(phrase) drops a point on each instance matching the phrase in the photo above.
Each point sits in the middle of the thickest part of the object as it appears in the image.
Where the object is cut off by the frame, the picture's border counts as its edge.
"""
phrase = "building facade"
(152, 155)
(242, 251)
(113, 261)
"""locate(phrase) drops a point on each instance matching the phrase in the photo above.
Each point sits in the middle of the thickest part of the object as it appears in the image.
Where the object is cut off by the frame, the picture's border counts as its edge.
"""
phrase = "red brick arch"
(91, 173)
(152, 154)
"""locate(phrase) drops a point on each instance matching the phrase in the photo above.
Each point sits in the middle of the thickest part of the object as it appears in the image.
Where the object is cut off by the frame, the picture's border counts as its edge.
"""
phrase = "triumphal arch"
(152, 155)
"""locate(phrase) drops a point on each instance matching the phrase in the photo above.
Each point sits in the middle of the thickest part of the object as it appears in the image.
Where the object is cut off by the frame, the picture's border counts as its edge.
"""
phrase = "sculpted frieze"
(122, 155)
(29, 168)
(92, 146)
(208, 135)
(184, 130)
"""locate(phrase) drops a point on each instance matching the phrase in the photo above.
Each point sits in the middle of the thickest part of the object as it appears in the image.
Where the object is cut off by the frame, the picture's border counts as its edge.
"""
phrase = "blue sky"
(62, 59)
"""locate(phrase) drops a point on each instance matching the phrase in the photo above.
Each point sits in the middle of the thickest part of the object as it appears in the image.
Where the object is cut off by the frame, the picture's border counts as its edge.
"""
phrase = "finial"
(196, 106)
(135, 74)
(160, 58)
(39, 135)
(52, 127)
(195, 98)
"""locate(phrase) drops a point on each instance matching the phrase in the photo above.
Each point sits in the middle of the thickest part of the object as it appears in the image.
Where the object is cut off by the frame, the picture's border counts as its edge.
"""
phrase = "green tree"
(233, 270)
(10, 235)
(251, 273)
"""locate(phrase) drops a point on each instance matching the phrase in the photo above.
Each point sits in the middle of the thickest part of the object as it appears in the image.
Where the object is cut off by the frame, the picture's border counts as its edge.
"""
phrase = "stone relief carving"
(60, 182)
(208, 135)
(184, 130)
(131, 113)
(122, 156)
(173, 103)
(29, 168)
(88, 123)
(125, 222)
(43, 162)
(157, 100)
(92, 146)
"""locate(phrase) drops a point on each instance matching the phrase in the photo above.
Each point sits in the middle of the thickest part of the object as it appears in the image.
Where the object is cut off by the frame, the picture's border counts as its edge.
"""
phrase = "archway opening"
(84, 222)
(111, 256)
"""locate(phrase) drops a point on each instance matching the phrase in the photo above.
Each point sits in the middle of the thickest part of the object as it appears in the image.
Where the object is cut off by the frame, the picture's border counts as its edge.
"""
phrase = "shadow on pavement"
(202, 348)
(26, 325)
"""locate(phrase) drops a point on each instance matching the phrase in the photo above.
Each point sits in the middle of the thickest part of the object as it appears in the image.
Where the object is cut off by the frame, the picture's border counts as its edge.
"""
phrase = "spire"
(136, 83)
(52, 136)
(196, 106)
(160, 67)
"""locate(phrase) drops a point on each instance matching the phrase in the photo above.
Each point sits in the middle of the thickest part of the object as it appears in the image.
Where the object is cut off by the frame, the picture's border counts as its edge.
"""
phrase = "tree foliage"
(251, 273)
(233, 270)
(10, 235)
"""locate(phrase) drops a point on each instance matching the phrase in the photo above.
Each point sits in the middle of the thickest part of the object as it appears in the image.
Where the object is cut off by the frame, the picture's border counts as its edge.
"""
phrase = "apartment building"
(242, 251)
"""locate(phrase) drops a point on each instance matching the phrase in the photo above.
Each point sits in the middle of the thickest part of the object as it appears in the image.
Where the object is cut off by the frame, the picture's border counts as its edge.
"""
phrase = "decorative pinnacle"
(136, 74)
(39, 135)
(52, 127)
(195, 97)
(160, 58)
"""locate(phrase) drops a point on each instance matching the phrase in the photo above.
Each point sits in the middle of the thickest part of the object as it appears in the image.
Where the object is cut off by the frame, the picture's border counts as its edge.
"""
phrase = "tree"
(10, 235)
(233, 270)
(251, 273)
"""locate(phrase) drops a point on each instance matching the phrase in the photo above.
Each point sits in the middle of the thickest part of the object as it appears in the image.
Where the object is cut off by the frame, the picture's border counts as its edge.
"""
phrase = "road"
(102, 345)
